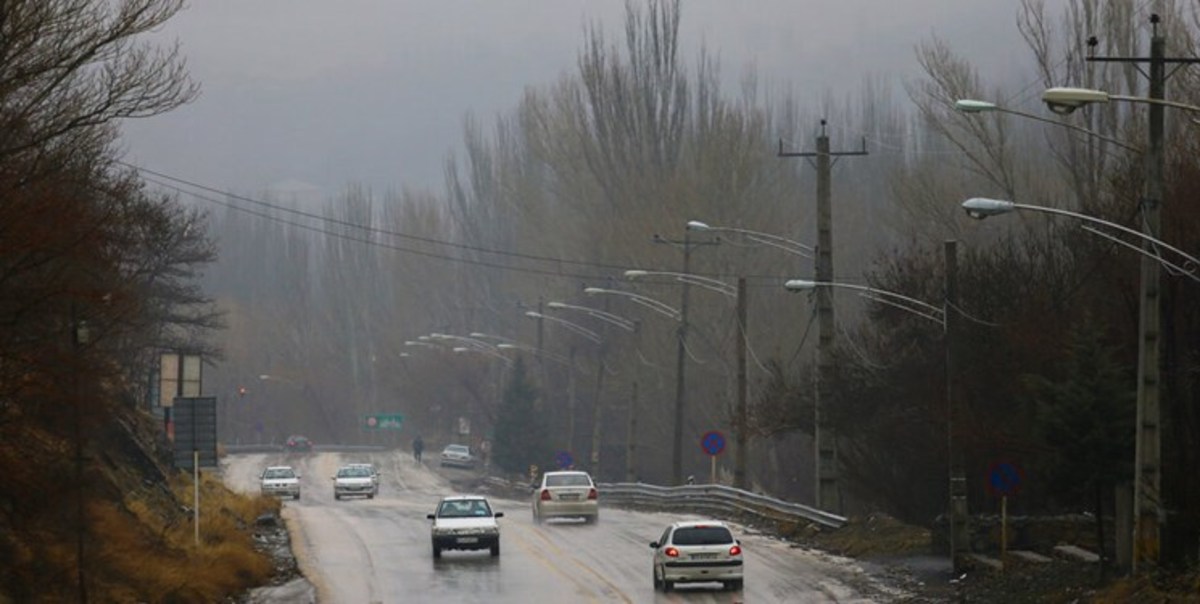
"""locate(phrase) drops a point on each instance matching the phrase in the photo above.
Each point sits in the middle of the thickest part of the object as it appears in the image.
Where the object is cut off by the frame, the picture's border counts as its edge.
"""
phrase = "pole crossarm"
(790, 246)
(575, 327)
(708, 283)
(596, 313)
(656, 305)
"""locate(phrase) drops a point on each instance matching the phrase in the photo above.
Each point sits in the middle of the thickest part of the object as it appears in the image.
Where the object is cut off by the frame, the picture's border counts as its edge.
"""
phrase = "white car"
(354, 480)
(280, 481)
(566, 494)
(465, 522)
(697, 552)
(458, 456)
(370, 467)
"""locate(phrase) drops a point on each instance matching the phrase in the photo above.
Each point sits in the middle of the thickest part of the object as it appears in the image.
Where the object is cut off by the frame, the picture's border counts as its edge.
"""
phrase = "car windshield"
(464, 508)
(702, 535)
(568, 480)
(353, 473)
(456, 449)
(279, 473)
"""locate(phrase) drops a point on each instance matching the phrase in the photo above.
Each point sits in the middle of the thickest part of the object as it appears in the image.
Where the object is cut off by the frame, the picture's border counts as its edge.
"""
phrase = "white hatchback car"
(566, 494)
(697, 552)
(465, 522)
(280, 481)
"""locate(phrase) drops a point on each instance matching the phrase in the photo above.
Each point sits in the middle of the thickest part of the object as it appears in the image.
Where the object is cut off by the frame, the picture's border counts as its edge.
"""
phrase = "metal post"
(959, 528)
(743, 437)
(597, 415)
(631, 437)
(681, 352)
(1147, 476)
(570, 400)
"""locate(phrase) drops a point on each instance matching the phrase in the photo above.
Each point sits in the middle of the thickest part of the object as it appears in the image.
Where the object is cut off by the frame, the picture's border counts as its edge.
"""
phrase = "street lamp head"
(505, 346)
(263, 376)
(696, 225)
(461, 349)
(973, 106)
(634, 274)
(1066, 100)
(593, 290)
(982, 207)
(556, 305)
(799, 285)
(533, 314)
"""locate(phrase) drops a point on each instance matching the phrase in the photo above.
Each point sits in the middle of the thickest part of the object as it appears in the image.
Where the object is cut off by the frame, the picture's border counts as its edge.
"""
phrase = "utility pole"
(681, 353)
(743, 439)
(828, 495)
(631, 437)
(1148, 511)
(959, 530)
(597, 408)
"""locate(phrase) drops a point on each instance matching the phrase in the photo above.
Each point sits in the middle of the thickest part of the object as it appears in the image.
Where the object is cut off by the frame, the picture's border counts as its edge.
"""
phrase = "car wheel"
(437, 551)
(654, 574)
(337, 497)
(297, 495)
(496, 549)
(371, 496)
(667, 585)
(735, 585)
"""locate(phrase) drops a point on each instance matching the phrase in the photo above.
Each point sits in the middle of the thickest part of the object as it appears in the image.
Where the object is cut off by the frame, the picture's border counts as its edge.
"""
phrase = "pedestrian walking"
(418, 446)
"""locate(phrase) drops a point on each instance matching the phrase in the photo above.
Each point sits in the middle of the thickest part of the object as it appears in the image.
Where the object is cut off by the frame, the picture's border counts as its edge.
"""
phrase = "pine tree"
(521, 435)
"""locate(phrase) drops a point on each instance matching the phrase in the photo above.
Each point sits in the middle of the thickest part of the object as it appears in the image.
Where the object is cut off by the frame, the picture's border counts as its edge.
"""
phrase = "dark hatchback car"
(298, 444)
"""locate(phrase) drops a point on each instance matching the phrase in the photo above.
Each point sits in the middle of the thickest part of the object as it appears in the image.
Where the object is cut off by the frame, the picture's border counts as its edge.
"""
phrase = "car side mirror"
(430, 516)
(499, 514)
(653, 545)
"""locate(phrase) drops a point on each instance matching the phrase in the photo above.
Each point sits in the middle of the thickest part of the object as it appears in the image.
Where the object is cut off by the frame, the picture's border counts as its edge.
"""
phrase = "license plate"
(704, 556)
(468, 539)
(569, 496)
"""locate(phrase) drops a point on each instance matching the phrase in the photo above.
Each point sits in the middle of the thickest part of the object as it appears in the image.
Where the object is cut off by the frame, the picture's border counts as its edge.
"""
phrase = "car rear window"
(706, 535)
(568, 480)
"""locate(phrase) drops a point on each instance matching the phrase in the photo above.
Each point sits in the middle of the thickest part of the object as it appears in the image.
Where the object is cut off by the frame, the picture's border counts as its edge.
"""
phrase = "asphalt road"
(360, 551)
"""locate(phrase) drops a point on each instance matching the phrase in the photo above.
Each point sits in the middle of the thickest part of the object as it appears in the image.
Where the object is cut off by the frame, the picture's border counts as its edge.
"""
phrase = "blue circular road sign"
(563, 459)
(713, 442)
(1005, 478)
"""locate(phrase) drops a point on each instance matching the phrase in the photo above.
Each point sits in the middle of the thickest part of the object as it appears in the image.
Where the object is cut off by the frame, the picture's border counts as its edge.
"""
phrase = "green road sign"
(384, 421)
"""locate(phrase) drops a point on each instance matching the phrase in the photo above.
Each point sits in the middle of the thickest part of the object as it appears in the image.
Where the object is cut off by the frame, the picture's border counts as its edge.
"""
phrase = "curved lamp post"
(656, 305)
(698, 280)
(975, 106)
(982, 207)
(790, 246)
(596, 313)
(572, 326)
(1065, 100)
(957, 472)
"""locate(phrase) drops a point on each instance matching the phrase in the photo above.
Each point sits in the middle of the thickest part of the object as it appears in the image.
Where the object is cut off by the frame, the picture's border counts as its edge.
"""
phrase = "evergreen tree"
(521, 437)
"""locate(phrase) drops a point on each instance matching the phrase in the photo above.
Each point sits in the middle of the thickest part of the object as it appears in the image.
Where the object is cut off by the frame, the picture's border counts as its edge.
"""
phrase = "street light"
(698, 280)
(788, 245)
(982, 207)
(596, 313)
(575, 327)
(1065, 100)
(657, 306)
(955, 463)
(976, 106)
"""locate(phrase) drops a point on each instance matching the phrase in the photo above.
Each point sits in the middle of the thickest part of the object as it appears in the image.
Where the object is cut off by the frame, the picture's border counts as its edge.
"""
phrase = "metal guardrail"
(278, 448)
(717, 499)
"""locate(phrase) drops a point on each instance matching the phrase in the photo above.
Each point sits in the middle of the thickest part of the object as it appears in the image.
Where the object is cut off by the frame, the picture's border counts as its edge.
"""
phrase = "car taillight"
(545, 494)
(592, 494)
(671, 552)
(735, 550)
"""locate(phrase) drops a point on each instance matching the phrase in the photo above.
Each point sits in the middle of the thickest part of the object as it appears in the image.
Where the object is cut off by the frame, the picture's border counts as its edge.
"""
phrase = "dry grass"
(139, 544)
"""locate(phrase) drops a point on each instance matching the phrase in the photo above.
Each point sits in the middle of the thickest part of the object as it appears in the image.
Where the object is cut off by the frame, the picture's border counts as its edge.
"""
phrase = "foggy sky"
(373, 92)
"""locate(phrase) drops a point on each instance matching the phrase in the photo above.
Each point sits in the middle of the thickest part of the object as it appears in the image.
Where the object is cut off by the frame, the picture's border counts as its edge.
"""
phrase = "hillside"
(137, 536)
